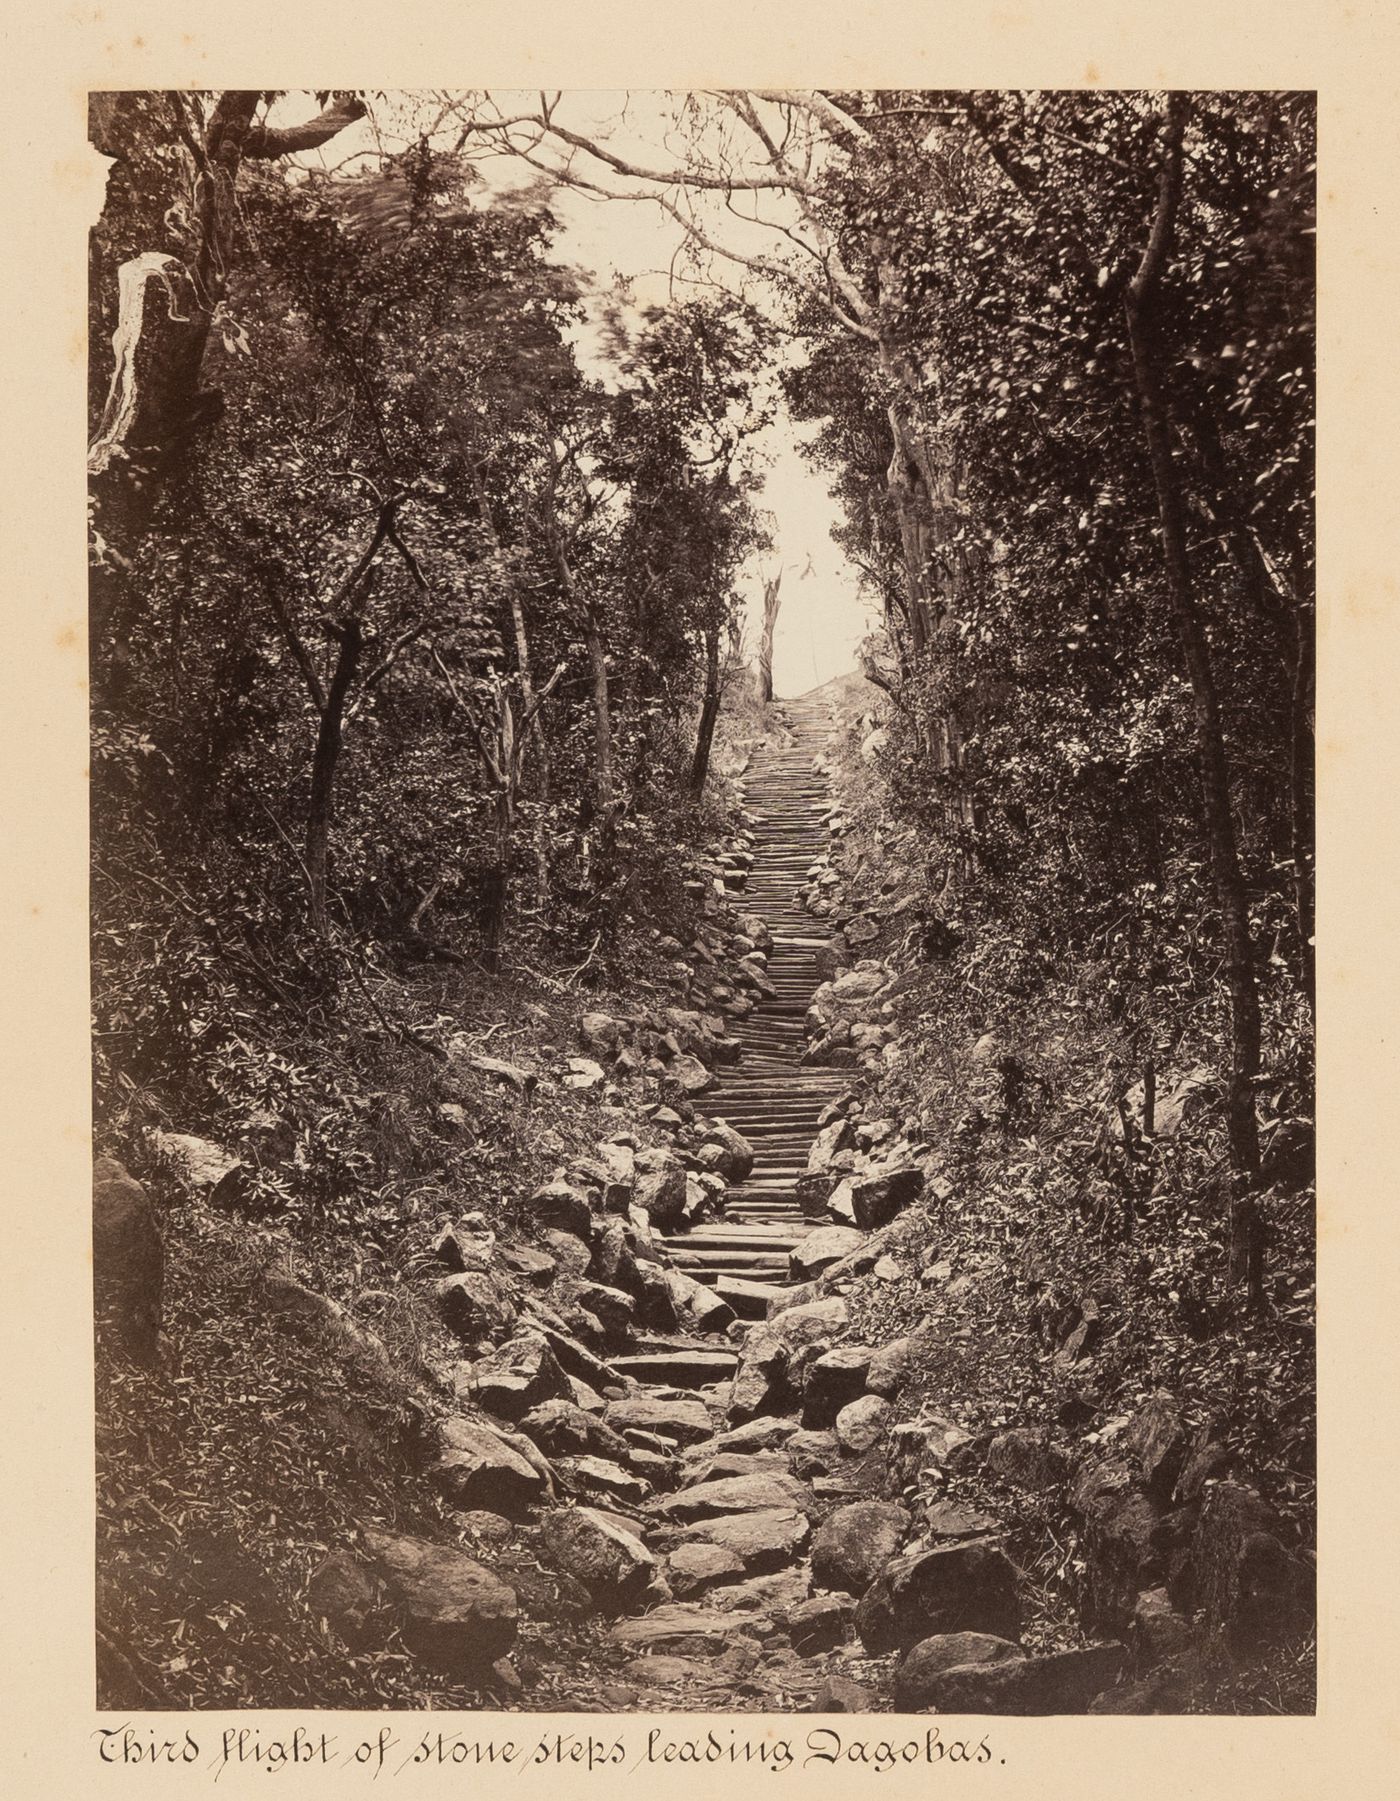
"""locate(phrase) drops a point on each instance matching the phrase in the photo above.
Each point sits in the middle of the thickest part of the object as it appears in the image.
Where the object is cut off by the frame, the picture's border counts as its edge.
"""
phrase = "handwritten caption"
(392, 1751)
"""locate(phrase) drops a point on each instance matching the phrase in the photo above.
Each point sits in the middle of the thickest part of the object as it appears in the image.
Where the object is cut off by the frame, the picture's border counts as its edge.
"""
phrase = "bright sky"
(823, 618)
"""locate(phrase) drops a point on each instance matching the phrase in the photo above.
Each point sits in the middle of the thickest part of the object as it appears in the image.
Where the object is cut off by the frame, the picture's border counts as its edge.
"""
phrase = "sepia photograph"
(702, 902)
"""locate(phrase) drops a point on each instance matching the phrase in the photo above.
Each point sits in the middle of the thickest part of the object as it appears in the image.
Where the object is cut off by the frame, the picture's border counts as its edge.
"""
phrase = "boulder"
(736, 1494)
(818, 1625)
(128, 1262)
(965, 1587)
(827, 1145)
(820, 1249)
(768, 1538)
(859, 1425)
(684, 1422)
(698, 1304)
(760, 1382)
(891, 1366)
(735, 1158)
(600, 1031)
(1026, 1457)
(520, 1374)
(753, 1435)
(947, 1519)
(661, 1194)
(813, 1453)
(601, 1476)
(614, 1310)
(479, 1467)
(1247, 1585)
(463, 1247)
(875, 1199)
(534, 1266)
(452, 1612)
(855, 1543)
(687, 1629)
(838, 1694)
(560, 1428)
(614, 1565)
(1063, 1683)
(564, 1207)
(916, 1679)
(832, 1381)
(475, 1305)
(583, 1072)
(692, 1568)
(689, 1075)
(657, 1310)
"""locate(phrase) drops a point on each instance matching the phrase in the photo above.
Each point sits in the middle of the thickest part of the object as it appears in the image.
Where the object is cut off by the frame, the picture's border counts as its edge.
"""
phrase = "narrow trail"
(769, 1096)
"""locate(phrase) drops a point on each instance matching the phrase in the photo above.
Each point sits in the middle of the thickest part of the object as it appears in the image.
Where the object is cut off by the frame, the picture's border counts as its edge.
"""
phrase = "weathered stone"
(687, 1629)
(855, 1543)
(891, 1366)
(819, 1624)
(838, 1694)
(462, 1248)
(692, 1568)
(521, 1373)
(661, 1194)
(1156, 1438)
(968, 1587)
(813, 1453)
(536, 1267)
(128, 1262)
(613, 1309)
(760, 1383)
(754, 1435)
(583, 1072)
(821, 1248)
(600, 1475)
(683, 1422)
(1247, 1585)
(654, 1303)
(615, 1566)
(479, 1467)
(474, 1305)
(1158, 1630)
(452, 1611)
(1063, 1683)
(736, 1154)
(859, 1425)
(832, 1381)
(564, 1207)
(345, 1595)
(1026, 1457)
(736, 1494)
(946, 1519)
(916, 1679)
(600, 1031)
(560, 1428)
(689, 1075)
(697, 1303)
(766, 1539)
(878, 1198)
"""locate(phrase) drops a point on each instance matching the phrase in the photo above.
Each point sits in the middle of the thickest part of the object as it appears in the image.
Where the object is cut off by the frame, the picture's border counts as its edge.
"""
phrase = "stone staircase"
(768, 1095)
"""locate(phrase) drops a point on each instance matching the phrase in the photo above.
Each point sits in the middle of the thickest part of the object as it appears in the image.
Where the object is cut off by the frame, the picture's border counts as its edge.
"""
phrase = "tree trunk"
(1140, 309)
(709, 713)
(165, 307)
(602, 721)
(771, 602)
(496, 900)
(323, 767)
